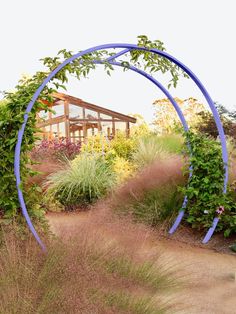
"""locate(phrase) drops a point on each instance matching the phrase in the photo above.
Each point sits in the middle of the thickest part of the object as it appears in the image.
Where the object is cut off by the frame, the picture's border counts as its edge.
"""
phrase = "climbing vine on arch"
(13, 109)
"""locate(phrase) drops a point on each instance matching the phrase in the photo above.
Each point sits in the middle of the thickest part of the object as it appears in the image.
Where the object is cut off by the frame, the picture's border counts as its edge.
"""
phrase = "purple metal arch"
(108, 46)
(179, 113)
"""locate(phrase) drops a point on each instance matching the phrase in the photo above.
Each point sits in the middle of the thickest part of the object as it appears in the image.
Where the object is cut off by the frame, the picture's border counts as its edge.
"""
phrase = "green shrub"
(123, 146)
(12, 112)
(123, 168)
(96, 144)
(205, 188)
(86, 179)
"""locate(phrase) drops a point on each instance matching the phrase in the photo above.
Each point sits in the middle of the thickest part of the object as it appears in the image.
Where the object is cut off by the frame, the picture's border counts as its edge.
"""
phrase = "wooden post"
(127, 129)
(113, 127)
(67, 121)
(58, 131)
(84, 125)
(73, 136)
(99, 123)
(108, 132)
(50, 125)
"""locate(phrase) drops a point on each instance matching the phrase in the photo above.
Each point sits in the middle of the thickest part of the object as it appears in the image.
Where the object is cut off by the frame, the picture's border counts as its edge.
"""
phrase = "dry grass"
(232, 170)
(156, 175)
(152, 196)
(87, 273)
(83, 274)
(44, 169)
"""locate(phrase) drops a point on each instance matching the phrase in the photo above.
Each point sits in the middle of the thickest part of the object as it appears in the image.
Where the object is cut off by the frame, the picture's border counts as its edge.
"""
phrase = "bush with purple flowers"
(59, 149)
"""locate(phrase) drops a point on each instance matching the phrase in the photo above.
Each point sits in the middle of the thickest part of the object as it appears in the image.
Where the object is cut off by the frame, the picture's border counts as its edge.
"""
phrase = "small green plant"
(86, 179)
(127, 303)
(143, 274)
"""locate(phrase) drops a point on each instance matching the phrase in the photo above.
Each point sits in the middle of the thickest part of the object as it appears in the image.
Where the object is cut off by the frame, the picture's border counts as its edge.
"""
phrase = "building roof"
(81, 103)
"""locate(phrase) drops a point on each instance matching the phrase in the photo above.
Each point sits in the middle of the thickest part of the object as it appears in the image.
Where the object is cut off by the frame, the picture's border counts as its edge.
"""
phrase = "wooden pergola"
(80, 118)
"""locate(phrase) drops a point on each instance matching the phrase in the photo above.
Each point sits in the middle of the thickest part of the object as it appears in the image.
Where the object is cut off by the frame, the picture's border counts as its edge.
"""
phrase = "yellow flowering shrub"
(123, 168)
(96, 144)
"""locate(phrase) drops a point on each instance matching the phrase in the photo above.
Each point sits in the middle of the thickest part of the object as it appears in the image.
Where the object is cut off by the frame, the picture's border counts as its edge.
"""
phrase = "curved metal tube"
(182, 119)
(80, 54)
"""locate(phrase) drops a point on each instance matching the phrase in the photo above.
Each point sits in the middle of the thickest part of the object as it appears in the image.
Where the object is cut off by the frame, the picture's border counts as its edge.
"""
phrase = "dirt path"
(210, 276)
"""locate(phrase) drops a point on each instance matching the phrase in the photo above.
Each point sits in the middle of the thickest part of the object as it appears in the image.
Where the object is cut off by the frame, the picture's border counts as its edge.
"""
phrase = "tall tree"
(166, 119)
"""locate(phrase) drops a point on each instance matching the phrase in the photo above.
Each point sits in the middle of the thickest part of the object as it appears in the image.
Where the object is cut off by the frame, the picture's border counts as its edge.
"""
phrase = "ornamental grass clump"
(84, 273)
(152, 195)
(157, 206)
(148, 151)
(153, 147)
(84, 180)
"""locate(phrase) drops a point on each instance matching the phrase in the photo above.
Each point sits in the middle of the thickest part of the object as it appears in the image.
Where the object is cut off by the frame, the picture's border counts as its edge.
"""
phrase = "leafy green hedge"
(11, 119)
(205, 188)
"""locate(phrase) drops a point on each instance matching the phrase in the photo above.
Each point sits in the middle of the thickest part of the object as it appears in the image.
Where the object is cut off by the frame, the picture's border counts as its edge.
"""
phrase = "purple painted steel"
(179, 217)
(121, 53)
(80, 54)
(211, 230)
(20, 194)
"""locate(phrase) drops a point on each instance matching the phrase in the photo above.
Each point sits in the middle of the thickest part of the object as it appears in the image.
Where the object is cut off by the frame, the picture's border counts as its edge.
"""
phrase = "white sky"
(199, 33)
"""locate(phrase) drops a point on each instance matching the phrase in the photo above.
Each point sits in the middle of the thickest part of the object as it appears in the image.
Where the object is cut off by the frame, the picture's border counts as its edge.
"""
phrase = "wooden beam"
(95, 120)
(67, 121)
(51, 121)
(74, 127)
